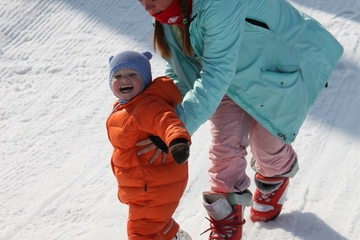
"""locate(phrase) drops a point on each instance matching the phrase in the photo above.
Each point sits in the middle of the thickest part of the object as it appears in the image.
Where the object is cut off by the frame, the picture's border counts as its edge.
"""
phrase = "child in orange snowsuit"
(146, 108)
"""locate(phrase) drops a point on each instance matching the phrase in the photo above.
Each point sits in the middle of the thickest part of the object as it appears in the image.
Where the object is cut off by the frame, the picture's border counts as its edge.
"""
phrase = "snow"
(55, 177)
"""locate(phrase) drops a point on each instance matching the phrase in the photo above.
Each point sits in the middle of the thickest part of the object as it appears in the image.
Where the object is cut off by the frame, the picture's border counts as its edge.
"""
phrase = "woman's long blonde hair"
(159, 39)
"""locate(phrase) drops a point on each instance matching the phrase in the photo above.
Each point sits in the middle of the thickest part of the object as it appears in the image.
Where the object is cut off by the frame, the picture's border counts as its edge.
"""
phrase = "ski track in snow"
(56, 182)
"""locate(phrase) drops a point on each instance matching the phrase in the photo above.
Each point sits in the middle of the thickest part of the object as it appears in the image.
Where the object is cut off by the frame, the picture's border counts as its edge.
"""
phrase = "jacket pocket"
(285, 97)
(282, 78)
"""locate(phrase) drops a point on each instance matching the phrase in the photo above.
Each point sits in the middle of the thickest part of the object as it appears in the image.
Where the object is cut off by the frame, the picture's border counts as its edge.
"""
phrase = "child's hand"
(180, 150)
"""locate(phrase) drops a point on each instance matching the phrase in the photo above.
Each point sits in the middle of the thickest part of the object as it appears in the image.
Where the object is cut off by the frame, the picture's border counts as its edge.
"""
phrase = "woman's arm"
(218, 35)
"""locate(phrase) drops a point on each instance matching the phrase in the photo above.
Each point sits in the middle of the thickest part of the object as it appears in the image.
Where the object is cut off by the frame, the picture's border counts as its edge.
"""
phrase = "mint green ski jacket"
(267, 56)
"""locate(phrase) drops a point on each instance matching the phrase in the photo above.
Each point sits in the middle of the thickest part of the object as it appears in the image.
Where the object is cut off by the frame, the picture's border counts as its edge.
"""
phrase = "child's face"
(126, 84)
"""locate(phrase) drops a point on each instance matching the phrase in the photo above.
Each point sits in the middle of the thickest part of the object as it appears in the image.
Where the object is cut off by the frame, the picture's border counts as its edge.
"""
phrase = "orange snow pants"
(153, 230)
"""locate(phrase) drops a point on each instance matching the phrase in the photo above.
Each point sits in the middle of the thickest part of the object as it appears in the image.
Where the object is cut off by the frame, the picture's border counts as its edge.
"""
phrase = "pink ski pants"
(232, 131)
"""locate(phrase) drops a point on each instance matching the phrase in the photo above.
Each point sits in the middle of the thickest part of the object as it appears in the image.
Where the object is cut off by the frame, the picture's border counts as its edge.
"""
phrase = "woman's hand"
(149, 145)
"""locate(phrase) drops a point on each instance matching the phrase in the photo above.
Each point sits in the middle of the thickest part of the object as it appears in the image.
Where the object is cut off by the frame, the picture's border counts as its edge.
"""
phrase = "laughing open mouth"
(126, 89)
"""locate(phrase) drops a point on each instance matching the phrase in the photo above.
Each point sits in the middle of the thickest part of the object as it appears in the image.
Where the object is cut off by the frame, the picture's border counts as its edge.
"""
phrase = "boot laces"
(224, 228)
(265, 197)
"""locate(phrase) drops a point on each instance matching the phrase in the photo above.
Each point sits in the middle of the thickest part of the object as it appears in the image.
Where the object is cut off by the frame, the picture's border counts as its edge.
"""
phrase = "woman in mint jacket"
(254, 68)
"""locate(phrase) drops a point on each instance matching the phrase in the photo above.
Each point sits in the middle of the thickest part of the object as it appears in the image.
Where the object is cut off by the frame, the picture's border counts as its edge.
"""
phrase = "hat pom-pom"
(110, 58)
(147, 54)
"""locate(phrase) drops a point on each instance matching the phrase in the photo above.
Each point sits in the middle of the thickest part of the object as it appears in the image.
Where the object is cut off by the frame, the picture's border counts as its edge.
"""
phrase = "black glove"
(159, 143)
(180, 150)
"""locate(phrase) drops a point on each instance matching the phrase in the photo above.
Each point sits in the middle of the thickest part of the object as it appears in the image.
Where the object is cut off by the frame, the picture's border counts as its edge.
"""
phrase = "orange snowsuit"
(152, 191)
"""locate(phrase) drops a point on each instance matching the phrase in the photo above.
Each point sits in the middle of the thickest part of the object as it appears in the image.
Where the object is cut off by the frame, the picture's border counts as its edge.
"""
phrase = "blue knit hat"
(134, 60)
